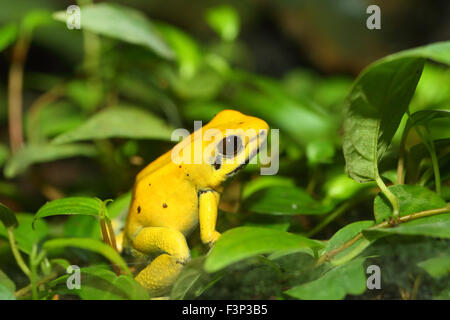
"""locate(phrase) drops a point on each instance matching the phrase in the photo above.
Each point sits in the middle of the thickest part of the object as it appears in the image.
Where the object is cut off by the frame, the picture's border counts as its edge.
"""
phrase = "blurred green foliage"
(132, 79)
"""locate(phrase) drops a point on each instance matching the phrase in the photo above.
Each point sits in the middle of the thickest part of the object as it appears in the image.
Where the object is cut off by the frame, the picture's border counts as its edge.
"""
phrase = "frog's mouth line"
(250, 157)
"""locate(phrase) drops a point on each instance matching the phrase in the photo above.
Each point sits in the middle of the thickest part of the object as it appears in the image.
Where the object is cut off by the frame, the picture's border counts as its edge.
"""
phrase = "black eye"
(230, 146)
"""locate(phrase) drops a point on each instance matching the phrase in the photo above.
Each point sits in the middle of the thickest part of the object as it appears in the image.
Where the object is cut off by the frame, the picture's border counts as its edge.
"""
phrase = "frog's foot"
(214, 237)
(159, 275)
(162, 272)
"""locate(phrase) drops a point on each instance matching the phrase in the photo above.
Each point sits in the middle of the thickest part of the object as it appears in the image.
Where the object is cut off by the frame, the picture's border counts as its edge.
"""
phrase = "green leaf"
(224, 20)
(25, 234)
(280, 200)
(437, 267)
(55, 118)
(341, 187)
(118, 122)
(335, 284)
(120, 206)
(7, 287)
(122, 23)
(244, 242)
(32, 153)
(412, 198)
(432, 226)
(378, 100)
(98, 283)
(342, 236)
(89, 244)
(302, 120)
(424, 116)
(81, 226)
(320, 151)
(186, 49)
(8, 35)
(7, 217)
(69, 206)
(193, 280)
(263, 182)
(36, 18)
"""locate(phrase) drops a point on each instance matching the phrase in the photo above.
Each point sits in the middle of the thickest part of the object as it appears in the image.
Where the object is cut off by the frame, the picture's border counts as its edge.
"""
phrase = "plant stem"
(401, 158)
(389, 195)
(429, 144)
(336, 213)
(22, 292)
(15, 84)
(12, 243)
(385, 224)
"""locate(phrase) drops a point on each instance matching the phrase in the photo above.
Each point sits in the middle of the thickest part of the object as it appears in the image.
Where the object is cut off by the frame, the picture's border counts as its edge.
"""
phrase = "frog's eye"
(230, 146)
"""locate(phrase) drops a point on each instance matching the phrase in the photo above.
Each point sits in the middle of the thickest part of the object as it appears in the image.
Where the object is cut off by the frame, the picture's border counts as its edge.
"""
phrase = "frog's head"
(228, 142)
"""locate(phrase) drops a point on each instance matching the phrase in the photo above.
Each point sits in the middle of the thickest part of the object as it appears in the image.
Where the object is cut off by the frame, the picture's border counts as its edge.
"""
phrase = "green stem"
(435, 163)
(385, 224)
(389, 195)
(12, 242)
(336, 213)
(429, 144)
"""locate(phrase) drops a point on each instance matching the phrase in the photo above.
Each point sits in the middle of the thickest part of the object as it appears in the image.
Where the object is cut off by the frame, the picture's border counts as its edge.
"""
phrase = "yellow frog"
(171, 197)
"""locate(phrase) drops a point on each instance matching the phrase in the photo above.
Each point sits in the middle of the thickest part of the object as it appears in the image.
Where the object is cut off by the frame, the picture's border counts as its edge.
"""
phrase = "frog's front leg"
(208, 203)
(160, 274)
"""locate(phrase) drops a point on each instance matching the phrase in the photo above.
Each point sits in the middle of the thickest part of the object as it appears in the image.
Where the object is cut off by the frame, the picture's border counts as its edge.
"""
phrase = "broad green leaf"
(85, 94)
(436, 121)
(302, 120)
(378, 100)
(7, 217)
(376, 105)
(36, 18)
(53, 119)
(432, 226)
(263, 182)
(437, 267)
(280, 200)
(8, 35)
(432, 89)
(122, 23)
(118, 122)
(89, 244)
(412, 198)
(424, 116)
(193, 280)
(81, 226)
(244, 242)
(98, 283)
(69, 206)
(120, 206)
(335, 284)
(25, 234)
(320, 151)
(225, 21)
(341, 187)
(186, 49)
(7, 287)
(342, 236)
(31, 154)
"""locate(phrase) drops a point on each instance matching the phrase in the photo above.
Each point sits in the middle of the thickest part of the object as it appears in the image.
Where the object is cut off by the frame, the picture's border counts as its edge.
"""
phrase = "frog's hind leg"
(161, 273)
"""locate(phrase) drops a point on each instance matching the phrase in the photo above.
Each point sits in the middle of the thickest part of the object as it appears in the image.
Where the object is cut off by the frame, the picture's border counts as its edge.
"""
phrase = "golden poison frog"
(181, 189)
